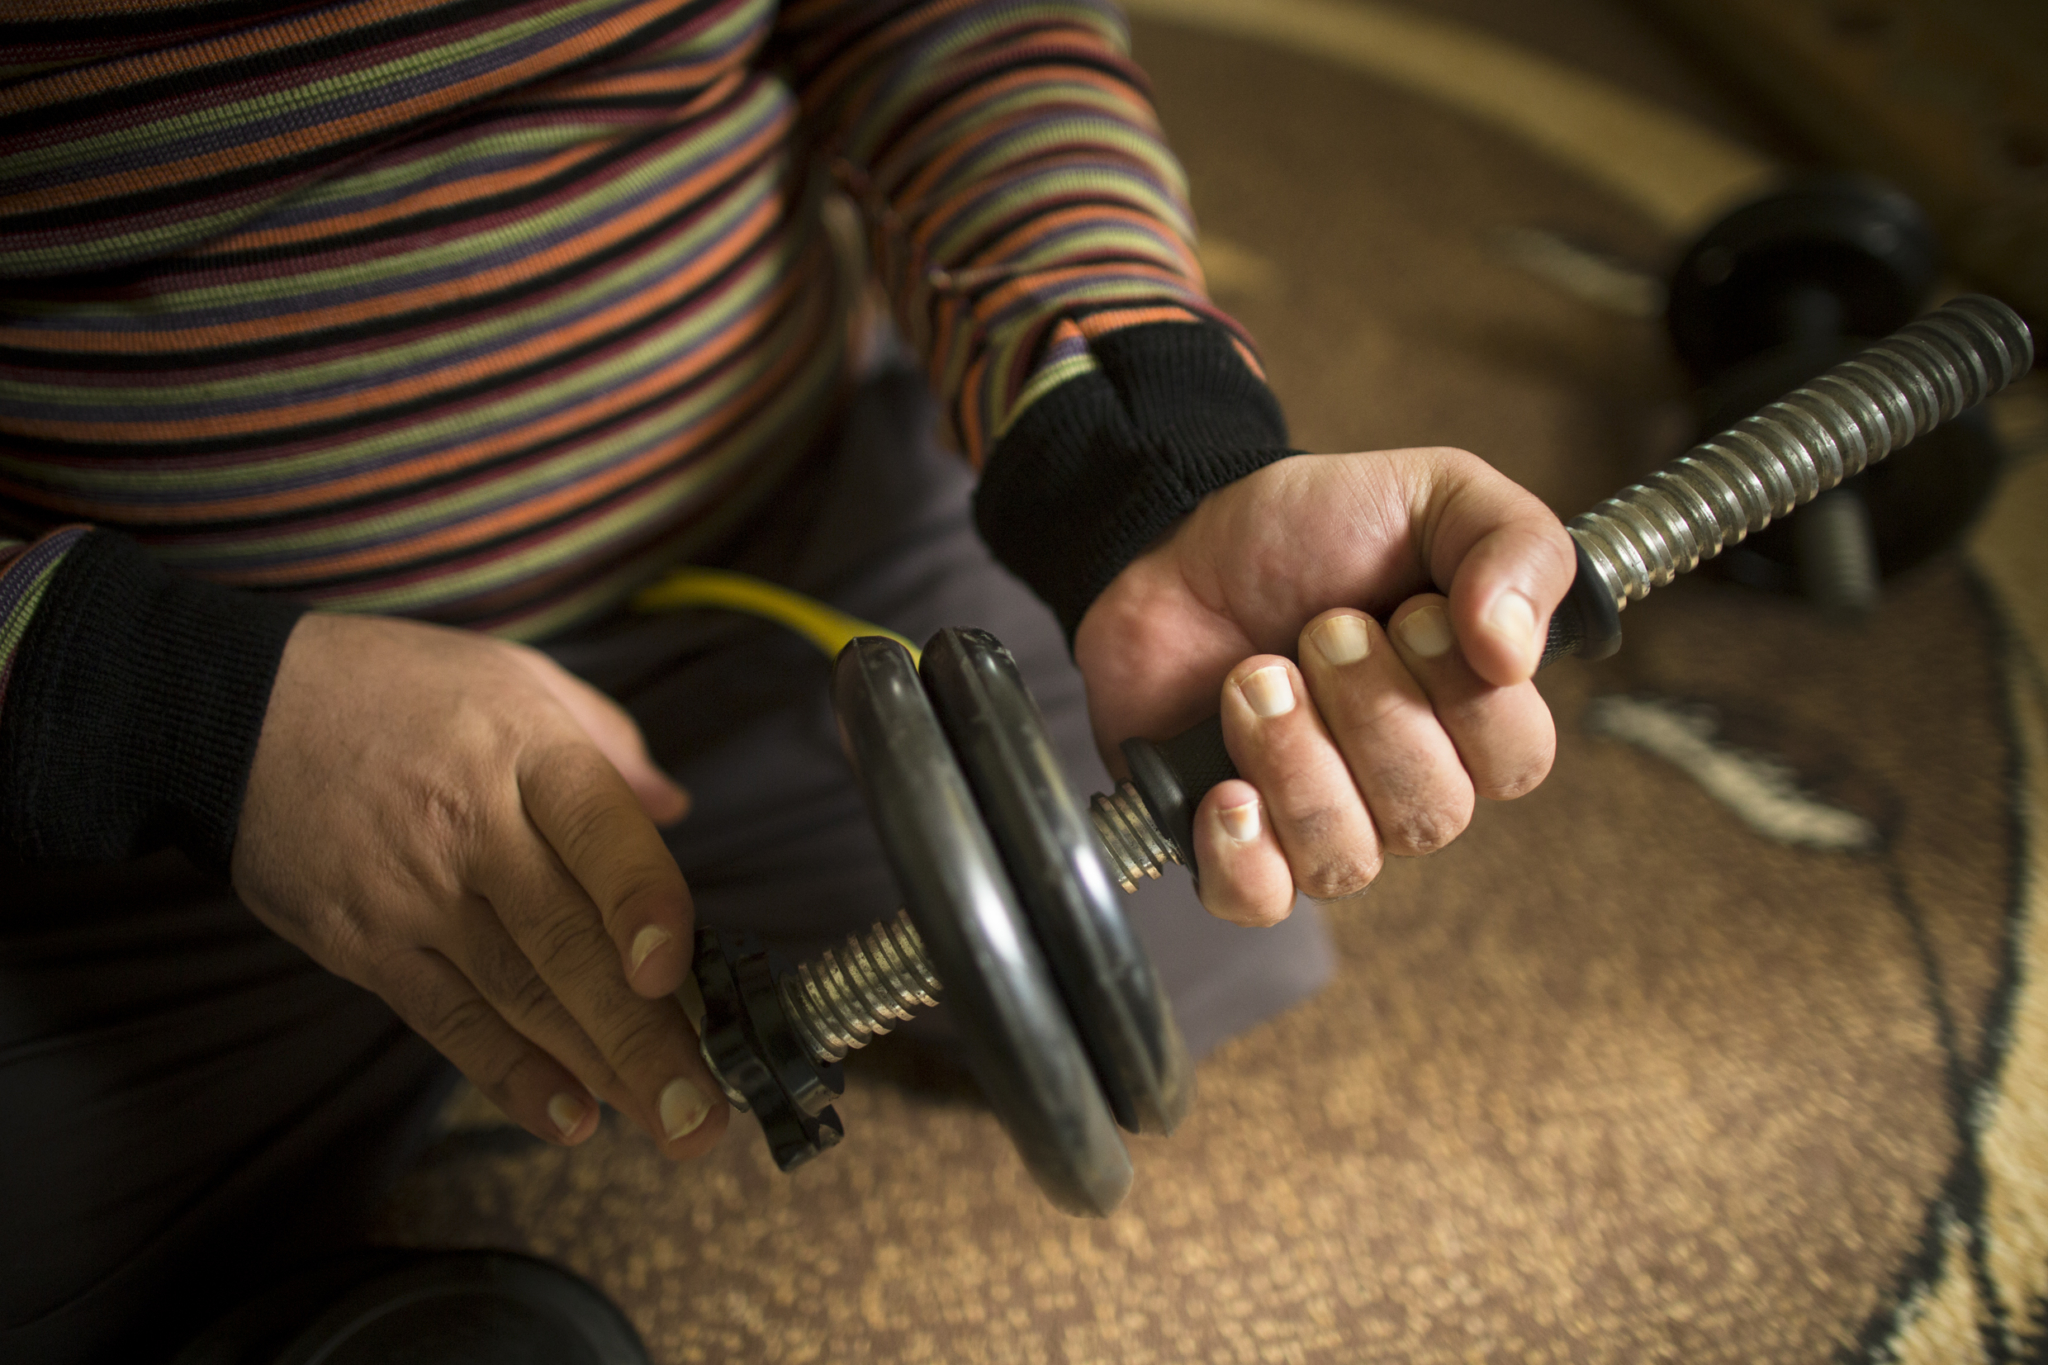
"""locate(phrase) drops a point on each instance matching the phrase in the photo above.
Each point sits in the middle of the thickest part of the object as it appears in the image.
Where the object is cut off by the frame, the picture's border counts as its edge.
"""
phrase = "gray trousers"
(192, 1106)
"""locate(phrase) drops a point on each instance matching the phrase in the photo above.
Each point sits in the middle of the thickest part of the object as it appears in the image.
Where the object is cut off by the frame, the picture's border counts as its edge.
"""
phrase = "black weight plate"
(469, 1308)
(1056, 866)
(1019, 1041)
(1856, 241)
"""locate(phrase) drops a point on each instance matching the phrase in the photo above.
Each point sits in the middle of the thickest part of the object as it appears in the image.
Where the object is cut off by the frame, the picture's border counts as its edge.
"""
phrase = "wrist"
(134, 709)
(1100, 469)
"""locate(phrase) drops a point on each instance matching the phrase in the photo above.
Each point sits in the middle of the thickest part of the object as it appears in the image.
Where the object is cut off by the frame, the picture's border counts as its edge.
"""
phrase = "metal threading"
(1129, 836)
(840, 1002)
(1791, 452)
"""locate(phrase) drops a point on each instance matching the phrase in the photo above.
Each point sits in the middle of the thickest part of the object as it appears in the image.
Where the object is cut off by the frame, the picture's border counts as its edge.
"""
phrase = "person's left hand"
(1355, 740)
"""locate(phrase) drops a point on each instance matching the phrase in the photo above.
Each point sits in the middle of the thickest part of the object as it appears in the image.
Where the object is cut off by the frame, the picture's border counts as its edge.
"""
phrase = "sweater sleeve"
(26, 568)
(96, 638)
(1033, 233)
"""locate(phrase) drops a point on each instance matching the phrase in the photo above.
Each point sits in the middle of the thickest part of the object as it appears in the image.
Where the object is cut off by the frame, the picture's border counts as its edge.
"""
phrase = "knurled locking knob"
(754, 1048)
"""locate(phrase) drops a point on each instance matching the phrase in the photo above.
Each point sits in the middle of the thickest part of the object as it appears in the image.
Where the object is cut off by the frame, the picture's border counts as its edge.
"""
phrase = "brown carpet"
(1620, 1076)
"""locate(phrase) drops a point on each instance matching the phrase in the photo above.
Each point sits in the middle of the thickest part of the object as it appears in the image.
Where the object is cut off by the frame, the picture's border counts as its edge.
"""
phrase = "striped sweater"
(484, 312)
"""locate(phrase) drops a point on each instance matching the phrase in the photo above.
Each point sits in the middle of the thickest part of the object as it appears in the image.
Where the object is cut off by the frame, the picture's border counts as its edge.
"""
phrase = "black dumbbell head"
(1056, 865)
(1840, 254)
(1018, 1036)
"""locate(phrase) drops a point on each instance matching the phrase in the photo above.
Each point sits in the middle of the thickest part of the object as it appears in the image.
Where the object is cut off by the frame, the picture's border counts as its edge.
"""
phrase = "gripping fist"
(1368, 625)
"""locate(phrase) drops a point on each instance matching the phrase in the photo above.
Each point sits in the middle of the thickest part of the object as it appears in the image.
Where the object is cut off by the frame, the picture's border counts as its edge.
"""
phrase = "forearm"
(1033, 230)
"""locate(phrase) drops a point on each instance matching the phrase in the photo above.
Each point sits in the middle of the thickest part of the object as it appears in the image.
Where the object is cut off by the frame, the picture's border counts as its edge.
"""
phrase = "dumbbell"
(1006, 879)
(1774, 293)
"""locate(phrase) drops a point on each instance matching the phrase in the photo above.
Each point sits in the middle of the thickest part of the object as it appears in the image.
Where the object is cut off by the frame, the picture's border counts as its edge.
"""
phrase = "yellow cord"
(826, 627)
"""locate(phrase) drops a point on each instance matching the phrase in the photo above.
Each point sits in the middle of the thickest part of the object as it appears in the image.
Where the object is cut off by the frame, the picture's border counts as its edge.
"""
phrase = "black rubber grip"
(1173, 775)
(1588, 622)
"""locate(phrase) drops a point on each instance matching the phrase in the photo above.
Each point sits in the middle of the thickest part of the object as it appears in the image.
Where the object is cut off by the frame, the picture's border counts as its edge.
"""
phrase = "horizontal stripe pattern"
(485, 312)
(1015, 180)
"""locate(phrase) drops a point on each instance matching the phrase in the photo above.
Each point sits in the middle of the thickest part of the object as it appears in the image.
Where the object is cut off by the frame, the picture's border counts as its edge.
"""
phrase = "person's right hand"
(1368, 625)
(459, 825)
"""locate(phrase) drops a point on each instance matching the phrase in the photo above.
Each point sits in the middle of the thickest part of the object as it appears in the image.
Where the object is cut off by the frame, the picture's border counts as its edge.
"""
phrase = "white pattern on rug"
(1761, 790)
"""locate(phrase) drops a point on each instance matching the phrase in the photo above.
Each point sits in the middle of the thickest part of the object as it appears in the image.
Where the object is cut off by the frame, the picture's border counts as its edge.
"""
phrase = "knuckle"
(356, 944)
(1310, 814)
(640, 1038)
(1425, 830)
(446, 814)
(1334, 859)
(564, 947)
(584, 819)
(529, 997)
(586, 804)
(389, 965)
(461, 1023)
(495, 973)
(1338, 879)
(1518, 782)
(1462, 466)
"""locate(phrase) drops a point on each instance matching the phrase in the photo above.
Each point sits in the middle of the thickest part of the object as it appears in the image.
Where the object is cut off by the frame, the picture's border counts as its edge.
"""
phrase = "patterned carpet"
(1729, 1044)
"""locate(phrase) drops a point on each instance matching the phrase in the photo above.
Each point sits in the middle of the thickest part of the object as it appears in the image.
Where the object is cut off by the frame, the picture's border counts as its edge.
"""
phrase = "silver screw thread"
(840, 1002)
(1856, 414)
(1128, 835)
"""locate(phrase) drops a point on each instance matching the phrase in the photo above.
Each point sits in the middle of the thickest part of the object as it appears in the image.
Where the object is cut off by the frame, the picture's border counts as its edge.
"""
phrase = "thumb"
(1509, 562)
(616, 736)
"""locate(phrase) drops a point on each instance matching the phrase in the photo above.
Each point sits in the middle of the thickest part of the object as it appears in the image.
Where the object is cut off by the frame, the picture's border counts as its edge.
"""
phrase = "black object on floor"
(424, 1308)
(1777, 291)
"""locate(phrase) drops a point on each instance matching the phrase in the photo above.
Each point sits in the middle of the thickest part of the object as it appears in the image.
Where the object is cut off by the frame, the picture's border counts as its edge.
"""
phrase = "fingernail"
(645, 942)
(1512, 617)
(1268, 692)
(567, 1112)
(1241, 823)
(1343, 639)
(1427, 632)
(683, 1107)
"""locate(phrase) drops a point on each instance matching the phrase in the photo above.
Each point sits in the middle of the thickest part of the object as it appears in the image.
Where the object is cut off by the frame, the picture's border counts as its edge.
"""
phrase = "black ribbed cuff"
(1097, 470)
(134, 708)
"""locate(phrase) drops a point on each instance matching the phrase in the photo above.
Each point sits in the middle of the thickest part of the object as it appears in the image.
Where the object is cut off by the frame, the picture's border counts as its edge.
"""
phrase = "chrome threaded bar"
(1129, 836)
(840, 1002)
(1791, 452)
